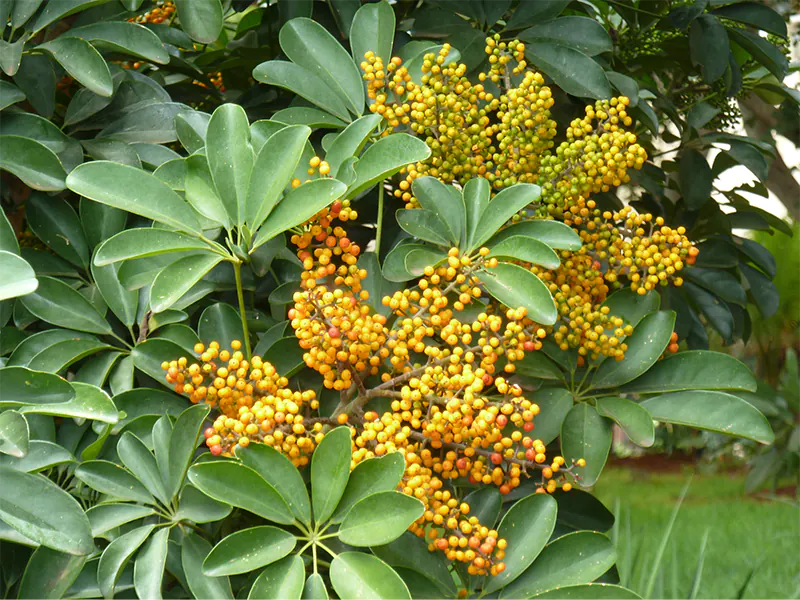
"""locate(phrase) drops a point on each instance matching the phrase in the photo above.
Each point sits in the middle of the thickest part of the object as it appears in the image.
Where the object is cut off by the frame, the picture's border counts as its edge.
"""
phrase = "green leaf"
(248, 550)
(201, 19)
(57, 303)
(576, 558)
(709, 46)
(380, 518)
(553, 233)
(191, 127)
(572, 71)
(14, 434)
(372, 29)
(201, 193)
(581, 510)
(763, 51)
(378, 474)
(384, 158)
(445, 204)
(100, 222)
(55, 223)
(116, 556)
(50, 573)
(230, 158)
(297, 206)
(627, 86)
(82, 62)
(526, 527)
(19, 279)
(694, 370)
(634, 420)
(304, 83)
(182, 445)
(43, 512)
(411, 552)
(314, 588)
(122, 36)
(148, 123)
(194, 550)
(282, 580)
(695, 178)
(350, 141)
(279, 472)
(133, 190)
(714, 411)
(536, 364)
(240, 486)
(309, 45)
(113, 150)
(397, 268)
(593, 591)
(123, 303)
(220, 322)
(10, 58)
(144, 241)
(756, 14)
(581, 33)
(105, 517)
(59, 356)
(10, 94)
(35, 164)
(526, 249)
(148, 570)
(647, 343)
(631, 306)
(306, 115)
(529, 13)
(273, 170)
(425, 225)
(363, 576)
(173, 173)
(715, 310)
(23, 386)
(148, 356)
(178, 278)
(195, 506)
(721, 283)
(109, 478)
(476, 198)
(330, 470)
(585, 434)
(764, 292)
(146, 401)
(41, 456)
(141, 462)
(517, 287)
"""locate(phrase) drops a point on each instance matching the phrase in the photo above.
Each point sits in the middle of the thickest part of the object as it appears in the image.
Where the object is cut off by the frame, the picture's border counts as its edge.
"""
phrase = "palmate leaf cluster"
(148, 207)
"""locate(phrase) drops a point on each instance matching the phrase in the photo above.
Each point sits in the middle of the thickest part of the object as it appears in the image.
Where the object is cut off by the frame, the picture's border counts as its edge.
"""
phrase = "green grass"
(744, 533)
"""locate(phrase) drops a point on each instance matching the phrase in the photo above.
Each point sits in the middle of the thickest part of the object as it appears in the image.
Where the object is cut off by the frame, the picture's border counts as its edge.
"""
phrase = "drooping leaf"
(178, 278)
(129, 38)
(19, 278)
(80, 59)
(714, 411)
(36, 165)
(201, 19)
(14, 434)
(581, 33)
(55, 223)
(572, 70)
(709, 47)
(585, 434)
(517, 287)
(634, 420)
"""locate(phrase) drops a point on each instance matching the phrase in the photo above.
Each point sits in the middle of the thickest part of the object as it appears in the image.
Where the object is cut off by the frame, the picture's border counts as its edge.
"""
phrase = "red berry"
(216, 449)
(209, 432)
(334, 332)
(497, 458)
(528, 426)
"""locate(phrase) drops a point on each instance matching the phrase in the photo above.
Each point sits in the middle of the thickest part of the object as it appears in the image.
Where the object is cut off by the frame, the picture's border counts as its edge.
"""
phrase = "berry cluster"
(162, 12)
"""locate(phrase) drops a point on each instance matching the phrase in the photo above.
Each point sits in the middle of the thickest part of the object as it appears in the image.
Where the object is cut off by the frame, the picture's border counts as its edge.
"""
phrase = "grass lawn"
(743, 533)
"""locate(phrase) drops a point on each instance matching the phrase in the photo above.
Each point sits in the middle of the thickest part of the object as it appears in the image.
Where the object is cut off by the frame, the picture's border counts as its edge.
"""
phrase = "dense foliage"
(400, 267)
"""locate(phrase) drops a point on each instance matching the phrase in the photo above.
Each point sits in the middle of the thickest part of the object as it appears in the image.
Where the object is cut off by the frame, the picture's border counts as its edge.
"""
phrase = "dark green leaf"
(105, 517)
(581, 33)
(763, 51)
(141, 462)
(23, 386)
(581, 510)
(182, 445)
(384, 158)
(720, 282)
(195, 506)
(554, 234)
(573, 71)
(425, 225)
(14, 434)
(330, 470)
(525, 249)
(19, 278)
(220, 322)
(373, 29)
(362, 576)
(517, 287)
(240, 486)
(109, 478)
(148, 123)
(379, 474)
(116, 555)
(230, 158)
(40, 457)
(10, 94)
(142, 242)
(709, 46)
(178, 278)
(530, 13)
(634, 420)
(201, 19)
(593, 591)
(648, 342)
(57, 303)
(526, 527)
(133, 190)
(756, 14)
(41, 511)
(50, 573)
(61, 355)
(248, 550)
(575, 558)
(122, 36)
(412, 552)
(695, 179)
(100, 222)
(585, 434)
(55, 223)
(764, 292)
(148, 570)
(714, 411)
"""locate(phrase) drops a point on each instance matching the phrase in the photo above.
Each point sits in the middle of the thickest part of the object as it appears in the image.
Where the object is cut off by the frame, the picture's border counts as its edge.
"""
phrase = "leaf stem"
(328, 550)
(237, 272)
(380, 222)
